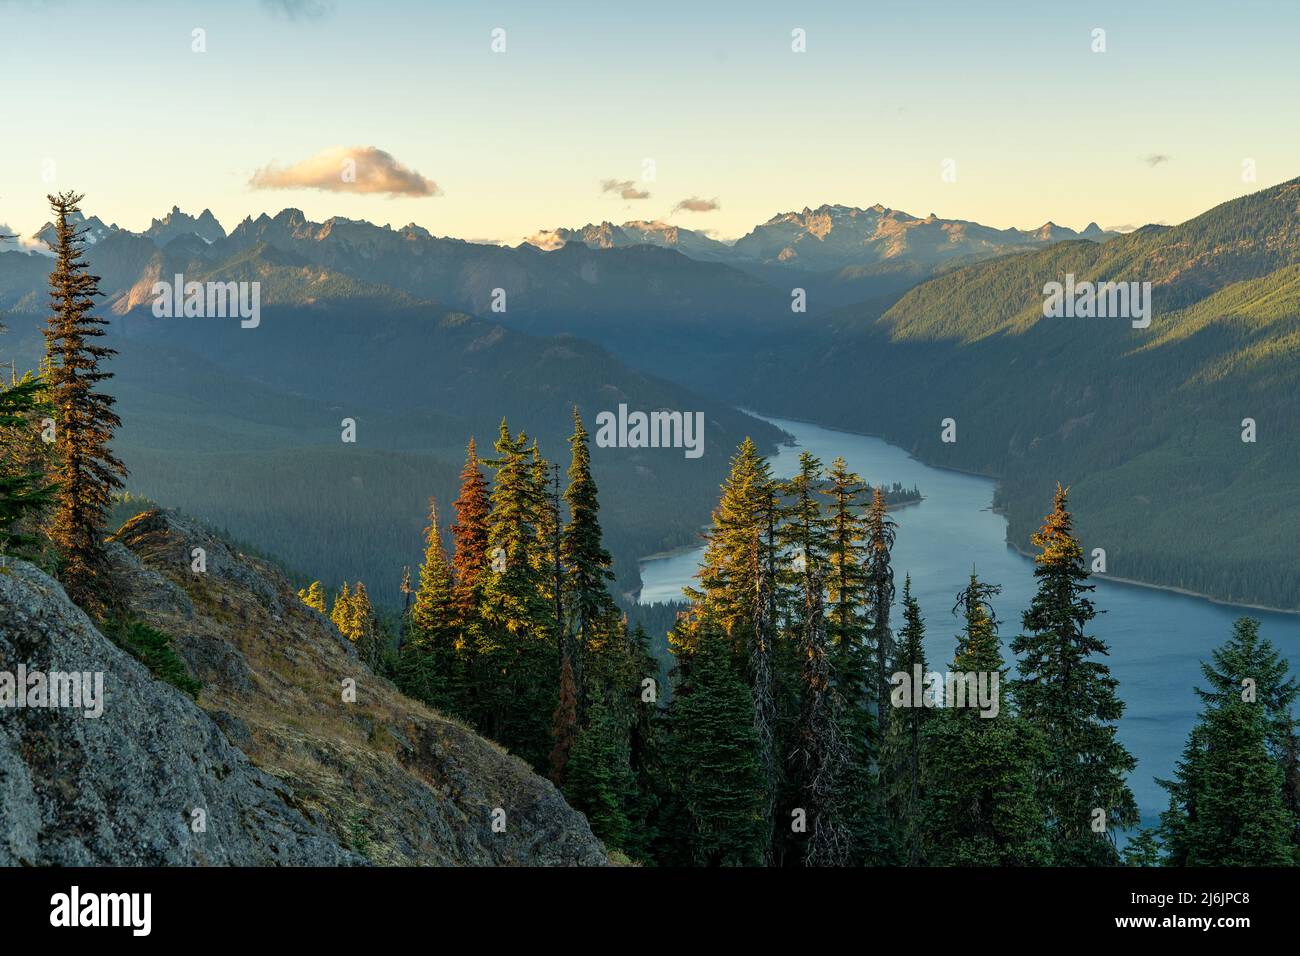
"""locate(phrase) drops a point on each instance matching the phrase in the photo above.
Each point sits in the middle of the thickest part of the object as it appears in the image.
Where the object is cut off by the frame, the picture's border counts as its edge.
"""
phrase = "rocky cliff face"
(289, 763)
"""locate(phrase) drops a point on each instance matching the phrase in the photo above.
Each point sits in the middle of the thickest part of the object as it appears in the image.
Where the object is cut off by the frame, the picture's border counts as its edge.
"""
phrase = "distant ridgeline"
(1180, 441)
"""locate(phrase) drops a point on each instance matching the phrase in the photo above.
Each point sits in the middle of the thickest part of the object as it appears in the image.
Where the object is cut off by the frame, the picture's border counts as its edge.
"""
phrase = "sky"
(1002, 113)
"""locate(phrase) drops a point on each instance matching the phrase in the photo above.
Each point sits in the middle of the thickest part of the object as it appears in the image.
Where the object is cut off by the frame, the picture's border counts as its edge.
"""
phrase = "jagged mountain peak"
(177, 223)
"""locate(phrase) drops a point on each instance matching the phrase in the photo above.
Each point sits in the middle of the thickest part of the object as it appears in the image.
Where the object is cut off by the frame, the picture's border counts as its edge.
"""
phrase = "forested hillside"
(1145, 425)
(243, 427)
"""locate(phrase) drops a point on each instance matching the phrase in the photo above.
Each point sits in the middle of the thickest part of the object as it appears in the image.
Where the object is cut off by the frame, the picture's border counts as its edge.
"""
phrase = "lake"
(1157, 638)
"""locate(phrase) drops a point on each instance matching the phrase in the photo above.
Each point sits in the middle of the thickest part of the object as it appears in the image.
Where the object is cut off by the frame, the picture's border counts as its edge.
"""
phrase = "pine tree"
(1231, 802)
(1142, 850)
(981, 804)
(728, 587)
(600, 781)
(1248, 662)
(881, 530)
(588, 564)
(1225, 801)
(903, 734)
(25, 492)
(470, 533)
(313, 596)
(518, 683)
(820, 757)
(87, 471)
(852, 668)
(805, 533)
(1068, 695)
(362, 630)
(847, 579)
(430, 666)
(341, 612)
(714, 756)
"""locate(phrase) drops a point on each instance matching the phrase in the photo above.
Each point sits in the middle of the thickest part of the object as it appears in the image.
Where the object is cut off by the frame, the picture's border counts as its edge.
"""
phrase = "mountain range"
(828, 238)
(909, 321)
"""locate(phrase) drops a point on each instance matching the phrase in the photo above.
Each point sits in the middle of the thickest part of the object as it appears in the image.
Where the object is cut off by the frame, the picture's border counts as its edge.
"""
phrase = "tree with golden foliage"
(87, 472)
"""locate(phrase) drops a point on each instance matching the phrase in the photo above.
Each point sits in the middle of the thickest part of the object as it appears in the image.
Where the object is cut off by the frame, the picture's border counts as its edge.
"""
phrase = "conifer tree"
(429, 662)
(313, 597)
(903, 733)
(1249, 664)
(600, 781)
(853, 672)
(881, 530)
(87, 471)
(1231, 803)
(25, 492)
(981, 802)
(1225, 801)
(362, 630)
(518, 684)
(819, 759)
(341, 612)
(804, 533)
(1142, 850)
(470, 533)
(728, 589)
(1067, 693)
(846, 579)
(588, 564)
(714, 757)
(763, 664)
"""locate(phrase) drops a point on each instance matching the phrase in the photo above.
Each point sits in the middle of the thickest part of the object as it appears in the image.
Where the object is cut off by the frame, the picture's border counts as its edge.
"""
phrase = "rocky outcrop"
(348, 757)
(123, 787)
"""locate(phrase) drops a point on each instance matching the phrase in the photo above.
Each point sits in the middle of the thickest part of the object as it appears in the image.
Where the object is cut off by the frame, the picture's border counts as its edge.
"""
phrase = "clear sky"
(1155, 129)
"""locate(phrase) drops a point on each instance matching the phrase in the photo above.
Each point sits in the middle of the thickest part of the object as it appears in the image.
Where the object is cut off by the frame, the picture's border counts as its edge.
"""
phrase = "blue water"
(1157, 638)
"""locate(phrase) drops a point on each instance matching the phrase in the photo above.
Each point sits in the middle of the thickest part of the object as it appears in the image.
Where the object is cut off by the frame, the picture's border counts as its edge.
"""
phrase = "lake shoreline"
(1170, 588)
(1132, 582)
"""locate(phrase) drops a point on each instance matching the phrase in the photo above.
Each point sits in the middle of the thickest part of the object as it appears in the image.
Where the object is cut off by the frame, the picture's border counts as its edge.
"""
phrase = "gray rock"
(120, 789)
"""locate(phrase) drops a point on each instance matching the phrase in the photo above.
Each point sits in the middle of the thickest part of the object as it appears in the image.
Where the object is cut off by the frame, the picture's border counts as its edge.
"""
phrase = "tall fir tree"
(430, 666)
(600, 781)
(1067, 693)
(853, 672)
(804, 534)
(518, 684)
(1232, 799)
(903, 734)
(820, 757)
(714, 756)
(847, 578)
(1225, 801)
(470, 534)
(87, 470)
(588, 564)
(362, 626)
(340, 611)
(981, 802)
(728, 588)
(881, 530)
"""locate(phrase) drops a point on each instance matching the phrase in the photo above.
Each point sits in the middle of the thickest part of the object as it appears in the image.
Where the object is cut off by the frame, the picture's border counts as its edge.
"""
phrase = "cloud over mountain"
(362, 169)
(625, 188)
(695, 204)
